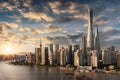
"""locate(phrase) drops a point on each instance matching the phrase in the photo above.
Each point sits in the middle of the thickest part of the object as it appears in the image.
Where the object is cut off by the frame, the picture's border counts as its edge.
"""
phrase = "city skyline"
(23, 23)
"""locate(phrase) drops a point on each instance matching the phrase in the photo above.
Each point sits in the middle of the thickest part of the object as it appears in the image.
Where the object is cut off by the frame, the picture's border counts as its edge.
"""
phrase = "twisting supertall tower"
(90, 39)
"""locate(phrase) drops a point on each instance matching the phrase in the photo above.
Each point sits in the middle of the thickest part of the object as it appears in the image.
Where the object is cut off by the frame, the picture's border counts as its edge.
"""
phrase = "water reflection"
(12, 72)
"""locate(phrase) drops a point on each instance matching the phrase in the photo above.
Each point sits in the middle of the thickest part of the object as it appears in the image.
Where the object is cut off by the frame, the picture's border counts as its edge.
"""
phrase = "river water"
(15, 72)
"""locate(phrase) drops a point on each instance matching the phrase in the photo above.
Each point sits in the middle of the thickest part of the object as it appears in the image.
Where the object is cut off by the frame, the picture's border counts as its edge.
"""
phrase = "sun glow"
(8, 49)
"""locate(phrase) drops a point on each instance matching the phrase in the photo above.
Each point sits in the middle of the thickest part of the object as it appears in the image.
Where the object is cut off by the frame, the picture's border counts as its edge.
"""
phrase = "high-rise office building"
(83, 49)
(51, 54)
(44, 56)
(70, 55)
(77, 58)
(38, 56)
(90, 41)
(118, 59)
(94, 62)
(38, 52)
(62, 56)
(56, 53)
(108, 56)
(74, 49)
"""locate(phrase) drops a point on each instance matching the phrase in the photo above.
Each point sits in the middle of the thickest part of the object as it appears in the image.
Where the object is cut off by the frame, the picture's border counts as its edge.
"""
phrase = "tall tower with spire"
(97, 43)
(90, 39)
(40, 43)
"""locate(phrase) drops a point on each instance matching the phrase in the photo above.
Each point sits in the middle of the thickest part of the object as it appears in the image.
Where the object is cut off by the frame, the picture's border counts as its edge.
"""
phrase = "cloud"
(17, 18)
(108, 28)
(37, 16)
(109, 36)
(118, 19)
(54, 6)
(8, 25)
(8, 6)
(78, 31)
(51, 29)
(7, 36)
(75, 10)
(1, 30)
(63, 40)
(100, 20)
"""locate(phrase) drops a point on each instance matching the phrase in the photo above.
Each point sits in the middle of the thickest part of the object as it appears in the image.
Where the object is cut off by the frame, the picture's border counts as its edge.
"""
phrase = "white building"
(94, 62)
(77, 58)
(62, 56)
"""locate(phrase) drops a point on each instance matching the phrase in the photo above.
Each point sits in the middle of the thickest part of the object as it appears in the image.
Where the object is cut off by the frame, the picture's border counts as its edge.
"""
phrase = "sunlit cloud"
(37, 16)
(8, 25)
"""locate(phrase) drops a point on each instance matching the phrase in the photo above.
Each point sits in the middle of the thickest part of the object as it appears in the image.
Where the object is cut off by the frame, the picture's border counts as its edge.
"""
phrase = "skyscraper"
(97, 44)
(90, 41)
(44, 56)
(51, 54)
(62, 56)
(55, 53)
(37, 53)
(70, 55)
(84, 49)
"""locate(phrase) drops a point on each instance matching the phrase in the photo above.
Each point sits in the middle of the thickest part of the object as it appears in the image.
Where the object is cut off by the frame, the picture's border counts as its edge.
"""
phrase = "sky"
(24, 22)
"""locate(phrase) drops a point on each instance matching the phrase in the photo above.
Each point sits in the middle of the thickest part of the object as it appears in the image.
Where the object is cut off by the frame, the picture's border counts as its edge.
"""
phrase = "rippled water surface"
(15, 72)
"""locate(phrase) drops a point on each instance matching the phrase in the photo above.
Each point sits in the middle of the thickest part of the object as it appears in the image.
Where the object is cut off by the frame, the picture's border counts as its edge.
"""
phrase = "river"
(16, 72)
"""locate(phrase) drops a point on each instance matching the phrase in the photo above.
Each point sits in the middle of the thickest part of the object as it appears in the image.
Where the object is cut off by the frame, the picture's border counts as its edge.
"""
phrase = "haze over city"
(24, 22)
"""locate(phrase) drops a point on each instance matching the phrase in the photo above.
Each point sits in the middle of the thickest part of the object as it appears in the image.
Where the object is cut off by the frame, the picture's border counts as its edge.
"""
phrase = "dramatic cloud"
(8, 25)
(63, 40)
(5, 5)
(49, 29)
(109, 35)
(37, 16)
(107, 29)
(17, 18)
(101, 21)
(75, 10)
(1, 30)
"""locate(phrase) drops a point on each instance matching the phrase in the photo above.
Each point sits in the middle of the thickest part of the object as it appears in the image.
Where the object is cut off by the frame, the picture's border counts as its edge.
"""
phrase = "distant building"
(30, 58)
(118, 59)
(83, 50)
(38, 55)
(89, 60)
(74, 49)
(62, 56)
(44, 56)
(108, 56)
(56, 53)
(19, 58)
(112, 48)
(51, 60)
(71, 55)
(94, 62)
(77, 58)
